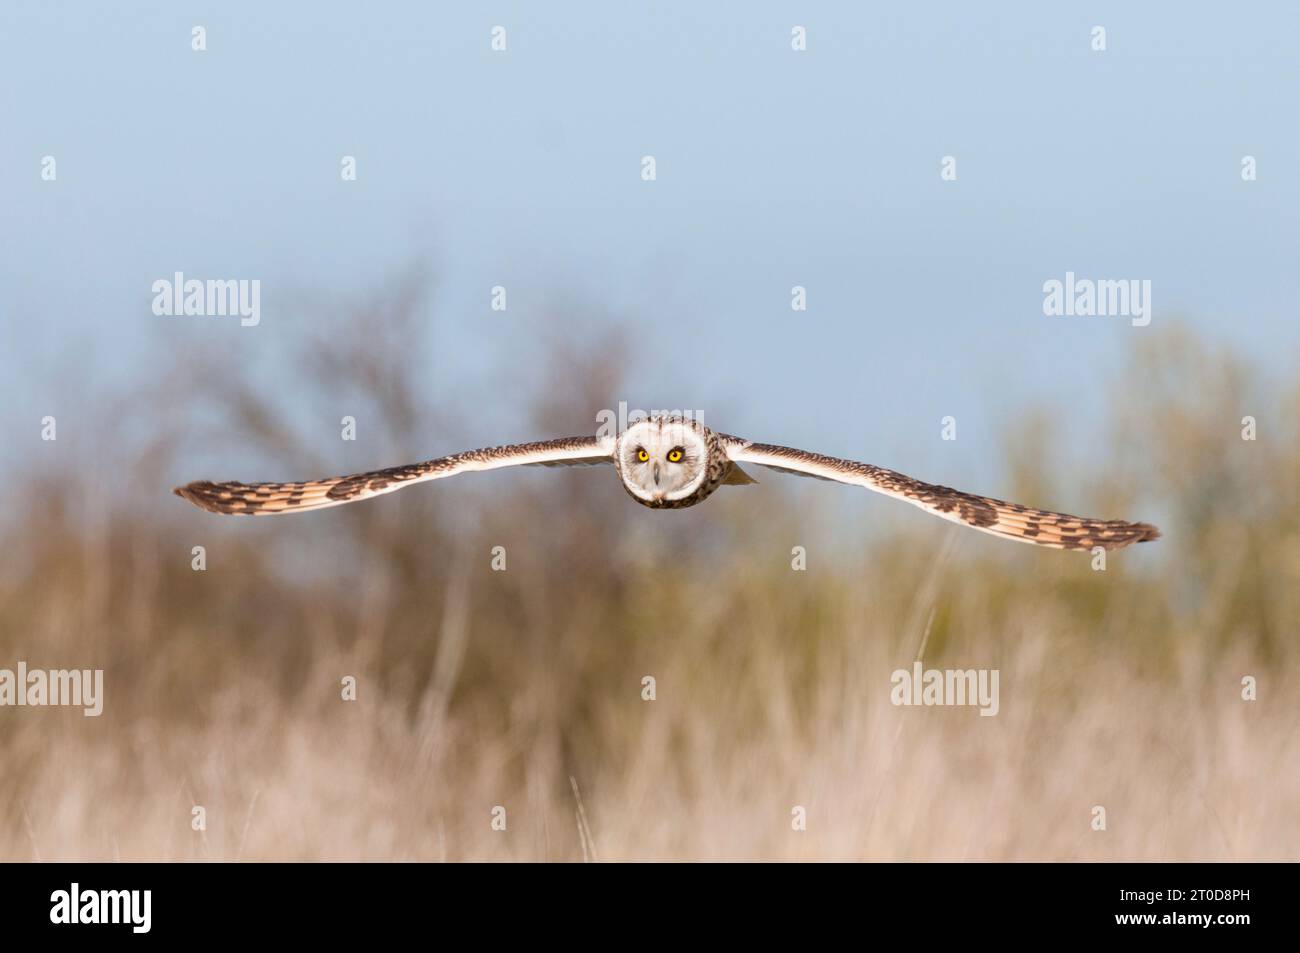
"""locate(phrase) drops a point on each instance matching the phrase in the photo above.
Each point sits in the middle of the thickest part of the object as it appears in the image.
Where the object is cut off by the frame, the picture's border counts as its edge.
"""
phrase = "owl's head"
(663, 460)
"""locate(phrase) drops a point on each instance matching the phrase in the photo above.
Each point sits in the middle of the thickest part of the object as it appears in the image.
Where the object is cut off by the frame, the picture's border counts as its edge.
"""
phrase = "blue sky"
(775, 168)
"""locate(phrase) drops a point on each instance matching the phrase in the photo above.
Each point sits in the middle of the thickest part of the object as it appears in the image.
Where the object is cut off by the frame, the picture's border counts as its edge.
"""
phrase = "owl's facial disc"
(662, 460)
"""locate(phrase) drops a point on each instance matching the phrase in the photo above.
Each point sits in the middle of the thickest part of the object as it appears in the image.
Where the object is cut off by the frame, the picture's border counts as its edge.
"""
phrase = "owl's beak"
(656, 474)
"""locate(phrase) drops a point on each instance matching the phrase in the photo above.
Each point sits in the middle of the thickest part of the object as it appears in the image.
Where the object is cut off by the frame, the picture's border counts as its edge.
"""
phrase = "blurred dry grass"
(480, 688)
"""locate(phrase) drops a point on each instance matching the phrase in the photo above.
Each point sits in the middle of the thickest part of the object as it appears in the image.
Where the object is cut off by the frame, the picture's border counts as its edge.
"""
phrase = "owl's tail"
(738, 477)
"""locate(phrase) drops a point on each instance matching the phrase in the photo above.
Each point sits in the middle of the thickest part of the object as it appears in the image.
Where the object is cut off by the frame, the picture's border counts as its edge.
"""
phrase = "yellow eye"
(675, 455)
(642, 455)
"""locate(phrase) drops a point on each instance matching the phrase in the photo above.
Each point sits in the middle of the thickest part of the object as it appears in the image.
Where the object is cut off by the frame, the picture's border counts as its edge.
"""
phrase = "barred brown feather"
(269, 499)
(1008, 520)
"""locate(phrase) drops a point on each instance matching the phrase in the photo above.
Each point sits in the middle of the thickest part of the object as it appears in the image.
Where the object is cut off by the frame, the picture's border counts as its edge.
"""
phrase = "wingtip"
(186, 492)
(194, 493)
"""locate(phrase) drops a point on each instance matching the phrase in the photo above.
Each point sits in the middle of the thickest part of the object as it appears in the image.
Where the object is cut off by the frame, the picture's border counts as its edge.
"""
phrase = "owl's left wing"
(259, 499)
(1007, 520)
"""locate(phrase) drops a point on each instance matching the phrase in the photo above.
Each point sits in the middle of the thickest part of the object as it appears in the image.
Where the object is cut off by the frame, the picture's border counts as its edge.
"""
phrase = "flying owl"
(671, 462)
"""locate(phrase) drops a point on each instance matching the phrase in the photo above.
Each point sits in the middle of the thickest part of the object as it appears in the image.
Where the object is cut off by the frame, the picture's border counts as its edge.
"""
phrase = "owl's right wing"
(259, 499)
